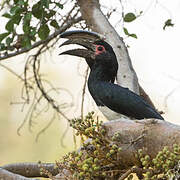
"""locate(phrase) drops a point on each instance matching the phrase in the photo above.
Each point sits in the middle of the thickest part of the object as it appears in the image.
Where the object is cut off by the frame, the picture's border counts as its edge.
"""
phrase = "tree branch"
(52, 36)
(29, 169)
(150, 136)
(96, 20)
(6, 175)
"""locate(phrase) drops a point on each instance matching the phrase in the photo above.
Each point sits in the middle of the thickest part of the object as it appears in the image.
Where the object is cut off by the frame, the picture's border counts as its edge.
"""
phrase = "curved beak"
(82, 38)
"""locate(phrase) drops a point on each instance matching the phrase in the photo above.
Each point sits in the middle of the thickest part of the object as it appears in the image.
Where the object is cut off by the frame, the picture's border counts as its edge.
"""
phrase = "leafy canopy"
(27, 22)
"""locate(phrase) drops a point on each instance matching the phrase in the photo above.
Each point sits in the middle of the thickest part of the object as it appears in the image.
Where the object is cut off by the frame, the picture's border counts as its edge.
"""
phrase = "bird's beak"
(83, 38)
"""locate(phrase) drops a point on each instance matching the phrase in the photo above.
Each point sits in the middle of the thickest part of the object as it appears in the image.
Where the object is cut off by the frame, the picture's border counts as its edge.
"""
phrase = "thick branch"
(31, 169)
(150, 135)
(6, 175)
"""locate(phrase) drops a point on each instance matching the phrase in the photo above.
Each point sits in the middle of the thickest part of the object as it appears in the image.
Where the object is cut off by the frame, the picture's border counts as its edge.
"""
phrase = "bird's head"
(96, 49)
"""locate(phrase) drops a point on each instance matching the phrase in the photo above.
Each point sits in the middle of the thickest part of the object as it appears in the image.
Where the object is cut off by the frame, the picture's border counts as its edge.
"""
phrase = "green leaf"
(168, 23)
(3, 35)
(32, 34)
(126, 31)
(16, 1)
(59, 5)
(8, 41)
(2, 47)
(54, 24)
(37, 11)
(129, 34)
(50, 14)
(10, 26)
(7, 15)
(21, 2)
(133, 35)
(26, 42)
(33, 38)
(33, 31)
(43, 31)
(129, 17)
(28, 16)
(26, 23)
(26, 28)
(16, 19)
(14, 10)
(45, 3)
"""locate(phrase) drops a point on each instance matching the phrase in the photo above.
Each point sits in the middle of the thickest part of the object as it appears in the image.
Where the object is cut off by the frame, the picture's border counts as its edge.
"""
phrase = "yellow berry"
(112, 151)
(114, 146)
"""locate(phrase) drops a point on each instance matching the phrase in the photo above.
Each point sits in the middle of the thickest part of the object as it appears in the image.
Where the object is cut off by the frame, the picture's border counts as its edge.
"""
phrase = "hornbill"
(103, 63)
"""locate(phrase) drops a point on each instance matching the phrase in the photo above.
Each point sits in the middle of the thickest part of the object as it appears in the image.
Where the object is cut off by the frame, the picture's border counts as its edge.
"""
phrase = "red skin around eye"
(98, 51)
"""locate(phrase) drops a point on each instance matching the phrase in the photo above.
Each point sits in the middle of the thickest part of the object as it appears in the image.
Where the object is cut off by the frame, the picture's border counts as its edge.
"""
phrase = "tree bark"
(30, 169)
(6, 175)
(94, 17)
(96, 20)
(151, 135)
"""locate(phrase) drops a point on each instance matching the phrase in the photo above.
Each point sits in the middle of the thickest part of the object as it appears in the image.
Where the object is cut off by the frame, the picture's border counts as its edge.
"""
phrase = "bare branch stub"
(4, 174)
(30, 169)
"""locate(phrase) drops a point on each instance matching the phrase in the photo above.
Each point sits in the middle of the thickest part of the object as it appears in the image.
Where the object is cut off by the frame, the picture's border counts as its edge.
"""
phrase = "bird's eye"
(100, 48)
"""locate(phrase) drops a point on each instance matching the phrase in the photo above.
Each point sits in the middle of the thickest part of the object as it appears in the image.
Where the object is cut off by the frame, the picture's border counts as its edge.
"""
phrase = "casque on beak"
(83, 38)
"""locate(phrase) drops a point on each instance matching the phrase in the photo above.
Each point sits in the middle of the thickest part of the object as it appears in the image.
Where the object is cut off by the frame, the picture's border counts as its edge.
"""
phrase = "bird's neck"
(100, 73)
(97, 75)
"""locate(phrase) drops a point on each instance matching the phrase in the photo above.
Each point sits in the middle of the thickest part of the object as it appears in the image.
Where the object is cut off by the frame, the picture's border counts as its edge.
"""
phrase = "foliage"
(27, 22)
(129, 34)
(165, 165)
(129, 17)
(99, 157)
(168, 23)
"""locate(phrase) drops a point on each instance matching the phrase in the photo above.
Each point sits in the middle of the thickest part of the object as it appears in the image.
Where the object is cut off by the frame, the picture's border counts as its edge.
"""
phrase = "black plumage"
(103, 64)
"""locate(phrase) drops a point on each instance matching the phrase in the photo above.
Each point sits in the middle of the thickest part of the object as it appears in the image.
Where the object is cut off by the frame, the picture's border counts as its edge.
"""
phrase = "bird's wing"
(124, 101)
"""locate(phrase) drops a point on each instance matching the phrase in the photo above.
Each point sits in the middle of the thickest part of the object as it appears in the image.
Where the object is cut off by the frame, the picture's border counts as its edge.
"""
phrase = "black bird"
(103, 63)
(74, 38)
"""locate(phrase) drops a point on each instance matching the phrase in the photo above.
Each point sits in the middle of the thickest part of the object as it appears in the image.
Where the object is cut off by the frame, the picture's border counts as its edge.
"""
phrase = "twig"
(47, 126)
(132, 170)
(83, 91)
(36, 68)
(11, 71)
(27, 114)
(63, 135)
